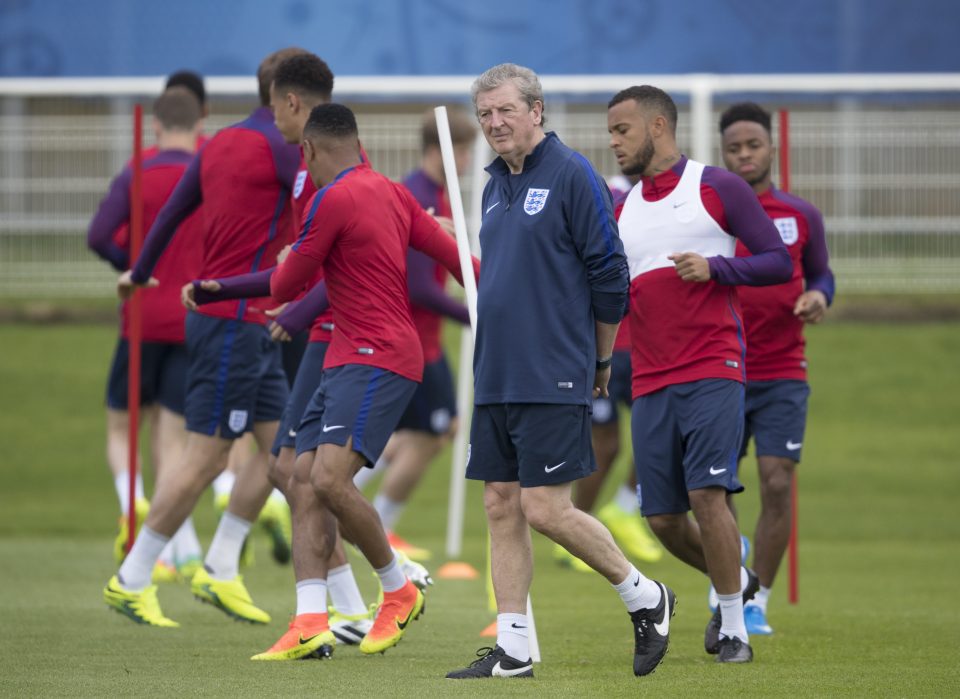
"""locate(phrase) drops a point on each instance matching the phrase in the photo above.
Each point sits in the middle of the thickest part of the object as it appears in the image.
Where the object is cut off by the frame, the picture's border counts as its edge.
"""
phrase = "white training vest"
(652, 230)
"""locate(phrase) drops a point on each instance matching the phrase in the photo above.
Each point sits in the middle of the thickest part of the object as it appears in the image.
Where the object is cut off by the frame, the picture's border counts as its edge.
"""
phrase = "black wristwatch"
(604, 363)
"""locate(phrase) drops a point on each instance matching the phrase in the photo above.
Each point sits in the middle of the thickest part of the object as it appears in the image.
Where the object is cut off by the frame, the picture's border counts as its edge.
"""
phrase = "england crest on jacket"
(535, 201)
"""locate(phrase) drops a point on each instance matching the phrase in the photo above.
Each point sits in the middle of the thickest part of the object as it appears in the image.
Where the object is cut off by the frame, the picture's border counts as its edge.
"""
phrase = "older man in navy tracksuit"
(550, 300)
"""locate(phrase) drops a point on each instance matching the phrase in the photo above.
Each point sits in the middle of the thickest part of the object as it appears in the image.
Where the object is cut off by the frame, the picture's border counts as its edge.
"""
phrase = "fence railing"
(878, 154)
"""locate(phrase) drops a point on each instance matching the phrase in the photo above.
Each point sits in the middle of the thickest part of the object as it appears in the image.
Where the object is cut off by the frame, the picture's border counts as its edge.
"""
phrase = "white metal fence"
(880, 156)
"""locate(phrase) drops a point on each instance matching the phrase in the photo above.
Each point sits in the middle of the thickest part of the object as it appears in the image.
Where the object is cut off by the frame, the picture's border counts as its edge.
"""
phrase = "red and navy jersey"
(775, 343)
(428, 322)
(358, 228)
(244, 177)
(162, 312)
(688, 331)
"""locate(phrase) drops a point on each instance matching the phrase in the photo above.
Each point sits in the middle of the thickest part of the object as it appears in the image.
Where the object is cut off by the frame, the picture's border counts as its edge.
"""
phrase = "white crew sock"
(365, 475)
(137, 567)
(731, 617)
(388, 510)
(513, 635)
(223, 484)
(122, 483)
(638, 591)
(344, 593)
(186, 544)
(223, 558)
(626, 498)
(311, 596)
(761, 598)
(391, 576)
(277, 496)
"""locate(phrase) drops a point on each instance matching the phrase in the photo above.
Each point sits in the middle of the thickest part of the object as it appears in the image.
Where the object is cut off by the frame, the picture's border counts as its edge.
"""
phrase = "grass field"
(880, 556)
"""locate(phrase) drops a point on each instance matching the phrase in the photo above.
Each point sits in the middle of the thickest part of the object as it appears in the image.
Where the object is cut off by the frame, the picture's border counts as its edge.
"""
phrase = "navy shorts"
(355, 400)
(620, 389)
(304, 386)
(235, 378)
(163, 375)
(434, 404)
(685, 437)
(534, 443)
(776, 417)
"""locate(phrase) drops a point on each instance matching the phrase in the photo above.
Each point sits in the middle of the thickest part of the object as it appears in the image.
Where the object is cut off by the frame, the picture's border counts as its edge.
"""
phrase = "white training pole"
(458, 467)
(457, 485)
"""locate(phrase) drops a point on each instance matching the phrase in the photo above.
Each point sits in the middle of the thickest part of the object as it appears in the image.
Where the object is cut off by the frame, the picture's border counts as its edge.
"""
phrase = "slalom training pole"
(134, 330)
(457, 485)
(793, 555)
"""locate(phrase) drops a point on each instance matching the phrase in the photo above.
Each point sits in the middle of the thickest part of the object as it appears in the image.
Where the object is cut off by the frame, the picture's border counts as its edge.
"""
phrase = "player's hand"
(690, 266)
(126, 285)
(282, 255)
(277, 332)
(187, 292)
(600, 381)
(446, 224)
(811, 306)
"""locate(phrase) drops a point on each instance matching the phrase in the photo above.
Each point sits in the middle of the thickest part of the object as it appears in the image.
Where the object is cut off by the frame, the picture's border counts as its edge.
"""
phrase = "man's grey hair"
(525, 79)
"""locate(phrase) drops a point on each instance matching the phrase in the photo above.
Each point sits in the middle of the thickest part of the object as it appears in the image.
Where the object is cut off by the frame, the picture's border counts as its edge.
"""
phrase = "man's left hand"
(811, 306)
(600, 381)
(690, 266)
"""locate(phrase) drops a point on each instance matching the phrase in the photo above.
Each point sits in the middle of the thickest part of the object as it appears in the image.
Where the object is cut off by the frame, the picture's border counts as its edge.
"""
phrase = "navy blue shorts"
(163, 375)
(235, 378)
(355, 400)
(686, 437)
(534, 443)
(620, 389)
(304, 386)
(434, 404)
(776, 417)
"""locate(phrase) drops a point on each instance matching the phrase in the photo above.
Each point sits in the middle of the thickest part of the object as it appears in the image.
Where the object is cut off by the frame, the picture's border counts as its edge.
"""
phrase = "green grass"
(878, 614)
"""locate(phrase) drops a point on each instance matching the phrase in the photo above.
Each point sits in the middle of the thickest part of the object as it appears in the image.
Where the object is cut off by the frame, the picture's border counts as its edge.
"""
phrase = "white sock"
(761, 598)
(344, 593)
(167, 556)
(311, 596)
(391, 576)
(513, 635)
(626, 498)
(638, 591)
(731, 617)
(186, 544)
(137, 568)
(744, 579)
(223, 484)
(365, 475)
(122, 483)
(388, 510)
(277, 496)
(223, 558)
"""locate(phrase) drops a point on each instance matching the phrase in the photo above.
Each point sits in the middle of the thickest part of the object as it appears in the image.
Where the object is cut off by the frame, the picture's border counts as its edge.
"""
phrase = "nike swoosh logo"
(517, 627)
(292, 433)
(793, 446)
(637, 583)
(305, 641)
(716, 471)
(491, 208)
(677, 206)
(403, 624)
(663, 628)
(328, 428)
(500, 671)
(551, 469)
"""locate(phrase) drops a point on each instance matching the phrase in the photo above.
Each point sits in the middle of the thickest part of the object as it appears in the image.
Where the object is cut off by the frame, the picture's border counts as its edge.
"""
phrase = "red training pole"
(793, 562)
(134, 330)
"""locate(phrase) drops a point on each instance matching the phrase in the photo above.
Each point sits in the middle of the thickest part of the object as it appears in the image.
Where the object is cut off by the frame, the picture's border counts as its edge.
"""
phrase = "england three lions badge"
(535, 201)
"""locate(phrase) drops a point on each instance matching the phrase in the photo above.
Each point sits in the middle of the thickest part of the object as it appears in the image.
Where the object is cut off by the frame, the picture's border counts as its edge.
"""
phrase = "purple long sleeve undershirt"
(183, 201)
(425, 292)
(113, 212)
(769, 262)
